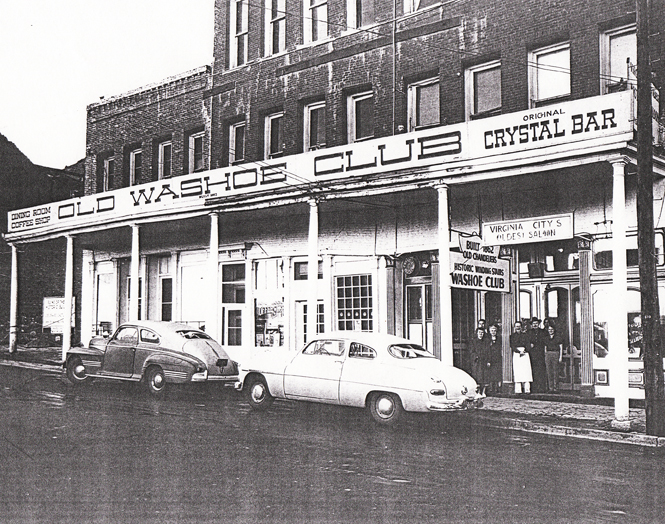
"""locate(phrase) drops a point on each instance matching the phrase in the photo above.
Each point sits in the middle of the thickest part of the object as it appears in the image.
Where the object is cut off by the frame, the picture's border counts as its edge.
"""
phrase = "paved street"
(109, 453)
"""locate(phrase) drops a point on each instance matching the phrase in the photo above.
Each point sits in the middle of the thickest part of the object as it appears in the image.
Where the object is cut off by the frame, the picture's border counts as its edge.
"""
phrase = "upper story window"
(411, 6)
(195, 161)
(602, 251)
(275, 26)
(483, 90)
(549, 74)
(315, 126)
(239, 24)
(273, 135)
(164, 159)
(106, 171)
(236, 142)
(135, 158)
(618, 48)
(315, 20)
(359, 13)
(360, 116)
(423, 102)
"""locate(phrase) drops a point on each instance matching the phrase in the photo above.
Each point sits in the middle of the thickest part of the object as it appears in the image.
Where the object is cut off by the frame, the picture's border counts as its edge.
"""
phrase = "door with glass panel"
(419, 315)
(233, 303)
(562, 309)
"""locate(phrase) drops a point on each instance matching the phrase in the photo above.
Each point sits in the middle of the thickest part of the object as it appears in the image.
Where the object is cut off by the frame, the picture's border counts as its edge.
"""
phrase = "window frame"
(191, 153)
(135, 175)
(607, 82)
(275, 16)
(307, 130)
(470, 89)
(233, 159)
(353, 21)
(161, 156)
(413, 90)
(534, 67)
(238, 34)
(108, 174)
(268, 128)
(352, 100)
(309, 21)
(410, 7)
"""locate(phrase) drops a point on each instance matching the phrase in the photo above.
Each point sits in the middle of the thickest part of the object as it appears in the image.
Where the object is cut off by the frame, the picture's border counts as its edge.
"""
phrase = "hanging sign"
(475, 269)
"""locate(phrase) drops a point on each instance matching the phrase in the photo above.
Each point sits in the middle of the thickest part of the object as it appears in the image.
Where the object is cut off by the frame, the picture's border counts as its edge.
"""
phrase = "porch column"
(69, 297)
(134, 276)
(618, 332)
(87, 297)
(13, 303)
(586, 320)
(312, 267)
(212, 316)
(445, 290)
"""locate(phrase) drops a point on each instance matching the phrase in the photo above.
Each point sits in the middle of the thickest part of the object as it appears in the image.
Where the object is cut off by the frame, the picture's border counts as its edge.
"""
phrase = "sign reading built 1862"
(538, 229)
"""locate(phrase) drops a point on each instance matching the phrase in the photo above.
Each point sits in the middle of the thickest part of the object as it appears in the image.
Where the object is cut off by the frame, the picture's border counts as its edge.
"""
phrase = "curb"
(584, 433)
(52, 368)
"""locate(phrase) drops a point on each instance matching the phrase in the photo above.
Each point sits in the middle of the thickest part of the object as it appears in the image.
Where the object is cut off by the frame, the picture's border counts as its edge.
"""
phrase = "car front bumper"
(457, 405)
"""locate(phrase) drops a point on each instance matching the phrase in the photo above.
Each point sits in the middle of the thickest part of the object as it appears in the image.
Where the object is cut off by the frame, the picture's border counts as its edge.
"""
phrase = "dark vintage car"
(158, 353)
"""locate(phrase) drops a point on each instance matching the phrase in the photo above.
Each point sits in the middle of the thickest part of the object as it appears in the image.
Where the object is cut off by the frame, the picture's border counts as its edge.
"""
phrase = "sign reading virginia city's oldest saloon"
(468, 145)
(538, 229)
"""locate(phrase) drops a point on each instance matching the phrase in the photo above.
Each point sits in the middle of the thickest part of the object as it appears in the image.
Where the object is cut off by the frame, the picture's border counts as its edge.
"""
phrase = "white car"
(383, 373)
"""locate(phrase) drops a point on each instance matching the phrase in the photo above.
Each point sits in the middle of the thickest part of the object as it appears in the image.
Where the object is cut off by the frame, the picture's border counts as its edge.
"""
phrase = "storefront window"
(602, 316)
(268, 303)
(602, 251)
(354, 303)
(550, 256)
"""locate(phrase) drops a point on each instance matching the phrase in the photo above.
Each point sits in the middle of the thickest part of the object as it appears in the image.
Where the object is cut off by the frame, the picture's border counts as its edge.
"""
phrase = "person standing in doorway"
(537, 355)
(553, 357)
(477, 354)
(522, 375)
(494, 359)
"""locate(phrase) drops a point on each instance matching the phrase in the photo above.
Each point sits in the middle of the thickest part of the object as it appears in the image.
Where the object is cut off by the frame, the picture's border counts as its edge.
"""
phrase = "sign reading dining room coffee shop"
(525, 231)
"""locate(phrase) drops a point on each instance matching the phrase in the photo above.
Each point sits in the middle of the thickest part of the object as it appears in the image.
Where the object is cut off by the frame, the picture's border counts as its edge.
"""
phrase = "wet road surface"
(107, 452)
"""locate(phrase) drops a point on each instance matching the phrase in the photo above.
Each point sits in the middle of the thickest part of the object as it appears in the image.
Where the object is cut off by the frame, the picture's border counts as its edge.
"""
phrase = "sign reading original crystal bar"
(524, 231)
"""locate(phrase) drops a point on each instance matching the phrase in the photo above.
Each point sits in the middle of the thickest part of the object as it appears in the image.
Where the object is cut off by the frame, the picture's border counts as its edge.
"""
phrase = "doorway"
(562, 308)
(419, 315)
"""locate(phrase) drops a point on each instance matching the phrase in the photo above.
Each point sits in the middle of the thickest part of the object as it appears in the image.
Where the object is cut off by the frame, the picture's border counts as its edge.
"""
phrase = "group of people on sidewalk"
(536, 352)
(536, 357)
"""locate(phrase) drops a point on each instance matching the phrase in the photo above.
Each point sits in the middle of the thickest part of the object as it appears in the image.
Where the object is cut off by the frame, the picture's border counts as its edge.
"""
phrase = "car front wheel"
(76, 371)
(385, 408)
(258, 394)
(156, 381)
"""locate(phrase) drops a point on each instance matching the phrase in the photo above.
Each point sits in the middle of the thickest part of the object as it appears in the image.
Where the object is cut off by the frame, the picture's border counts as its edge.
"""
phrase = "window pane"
(487, 90)
(238, 152)
(275, 135)
(427, 105)
(622, 47)
(364, 118)
(553, 74)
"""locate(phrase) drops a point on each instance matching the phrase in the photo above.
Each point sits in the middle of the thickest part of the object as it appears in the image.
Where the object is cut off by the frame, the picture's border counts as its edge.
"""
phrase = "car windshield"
(193, 334)
(408, 351)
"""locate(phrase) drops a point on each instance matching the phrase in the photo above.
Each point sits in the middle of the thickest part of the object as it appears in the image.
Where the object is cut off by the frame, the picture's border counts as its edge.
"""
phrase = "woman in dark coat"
(478, 353)
(494, 359)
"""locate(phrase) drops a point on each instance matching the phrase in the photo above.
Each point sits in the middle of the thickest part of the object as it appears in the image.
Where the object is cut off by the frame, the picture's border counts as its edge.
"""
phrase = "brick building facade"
(341, 156)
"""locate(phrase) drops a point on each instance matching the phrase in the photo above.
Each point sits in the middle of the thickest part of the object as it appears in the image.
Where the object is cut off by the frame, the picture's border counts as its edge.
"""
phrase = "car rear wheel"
(76, 371)
(156, 381)
(385, 408)
(258, 394)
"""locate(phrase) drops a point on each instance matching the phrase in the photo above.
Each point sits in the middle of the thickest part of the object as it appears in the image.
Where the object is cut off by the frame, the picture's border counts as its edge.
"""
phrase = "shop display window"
(354, 303)
(602, 251)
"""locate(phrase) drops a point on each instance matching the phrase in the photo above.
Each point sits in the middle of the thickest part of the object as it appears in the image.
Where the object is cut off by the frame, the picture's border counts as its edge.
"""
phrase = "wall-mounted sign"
(474, 269)
(53, 313)
(468, 145)
(526, 231)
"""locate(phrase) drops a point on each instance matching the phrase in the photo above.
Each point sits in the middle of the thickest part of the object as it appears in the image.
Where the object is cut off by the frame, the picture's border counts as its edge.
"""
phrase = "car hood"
(212, 355)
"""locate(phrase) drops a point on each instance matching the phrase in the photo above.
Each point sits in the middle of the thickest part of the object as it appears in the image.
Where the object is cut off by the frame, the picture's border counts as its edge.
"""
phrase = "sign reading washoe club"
(472, 145)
